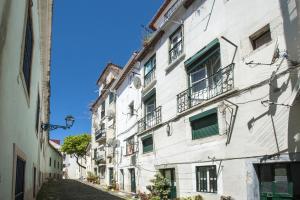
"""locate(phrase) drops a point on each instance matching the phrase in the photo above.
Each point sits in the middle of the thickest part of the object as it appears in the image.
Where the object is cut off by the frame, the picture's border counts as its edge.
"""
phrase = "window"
(176, 45)
(204, 124)
(50, 162)
(57, 165)
(130, 146)
(147, 143)
(28, 51)
(54, 163)
(111, 97)
(37, 115)
(131, 109)
(261, 37)
(205, 76)
(103, 110)
(149, 70)
(206, 179)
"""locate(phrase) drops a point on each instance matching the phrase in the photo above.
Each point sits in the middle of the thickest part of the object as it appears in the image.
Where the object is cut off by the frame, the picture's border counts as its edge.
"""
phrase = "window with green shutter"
(204, 124)
(147, 142)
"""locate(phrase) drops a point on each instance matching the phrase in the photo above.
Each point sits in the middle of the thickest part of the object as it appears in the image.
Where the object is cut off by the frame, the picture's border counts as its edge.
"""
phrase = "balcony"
(100, 134)
(150, 120)
(149, 77)
(220, 82)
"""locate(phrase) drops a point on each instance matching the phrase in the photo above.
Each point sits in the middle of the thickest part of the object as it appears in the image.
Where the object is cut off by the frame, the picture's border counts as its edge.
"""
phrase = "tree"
(76, 145)
(160, 187)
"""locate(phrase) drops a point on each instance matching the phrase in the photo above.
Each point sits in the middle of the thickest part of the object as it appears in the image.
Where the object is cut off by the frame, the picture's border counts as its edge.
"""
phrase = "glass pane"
(198, 75)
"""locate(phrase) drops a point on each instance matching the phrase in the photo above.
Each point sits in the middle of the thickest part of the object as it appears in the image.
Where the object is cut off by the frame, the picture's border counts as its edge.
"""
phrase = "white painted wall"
(235, 20)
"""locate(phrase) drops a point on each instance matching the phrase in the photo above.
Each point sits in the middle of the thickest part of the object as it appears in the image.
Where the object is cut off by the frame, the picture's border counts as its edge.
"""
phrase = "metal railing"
(99, 134)
(149, 77)
(150, 120)
(210, 87)
(100, 155)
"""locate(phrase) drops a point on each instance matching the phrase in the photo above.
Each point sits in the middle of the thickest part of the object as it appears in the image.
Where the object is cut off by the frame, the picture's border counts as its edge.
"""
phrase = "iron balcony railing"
(149, 77)
(150, 120)
(210, 87)
(99, 134)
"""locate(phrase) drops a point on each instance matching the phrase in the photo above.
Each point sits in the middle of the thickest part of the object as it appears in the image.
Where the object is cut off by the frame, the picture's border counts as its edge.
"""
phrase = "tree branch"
(77, 161)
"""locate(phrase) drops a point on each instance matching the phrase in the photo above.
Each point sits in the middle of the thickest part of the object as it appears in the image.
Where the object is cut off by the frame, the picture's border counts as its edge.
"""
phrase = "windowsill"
(149, 87)
(172, 65)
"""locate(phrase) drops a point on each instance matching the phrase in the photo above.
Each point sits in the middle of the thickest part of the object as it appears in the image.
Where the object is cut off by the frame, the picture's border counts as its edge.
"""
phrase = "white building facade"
(217, 106)
(25, 151)
(103, 127)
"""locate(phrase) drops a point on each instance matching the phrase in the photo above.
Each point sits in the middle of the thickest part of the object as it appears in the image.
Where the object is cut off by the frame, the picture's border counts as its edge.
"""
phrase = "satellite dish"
(116, 143)
(137, 83)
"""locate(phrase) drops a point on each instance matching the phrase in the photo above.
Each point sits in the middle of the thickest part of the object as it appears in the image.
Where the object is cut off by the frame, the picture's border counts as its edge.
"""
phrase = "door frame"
(132, 174)
(17, 152)
(173, 179)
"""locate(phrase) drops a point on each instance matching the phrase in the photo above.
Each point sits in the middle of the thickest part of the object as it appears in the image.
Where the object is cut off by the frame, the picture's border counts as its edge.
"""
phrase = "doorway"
(20, 179)
(279, 180)
(169, 174)
(132, 180)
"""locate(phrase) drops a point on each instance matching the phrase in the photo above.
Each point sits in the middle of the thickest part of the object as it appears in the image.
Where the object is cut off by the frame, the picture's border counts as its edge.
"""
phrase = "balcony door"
(205, 78)
(150, 105)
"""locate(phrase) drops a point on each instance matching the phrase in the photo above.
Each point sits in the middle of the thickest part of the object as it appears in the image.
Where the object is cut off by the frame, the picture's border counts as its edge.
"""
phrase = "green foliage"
(76, 144)
(91, 177)
(160, 188)
(198, 197)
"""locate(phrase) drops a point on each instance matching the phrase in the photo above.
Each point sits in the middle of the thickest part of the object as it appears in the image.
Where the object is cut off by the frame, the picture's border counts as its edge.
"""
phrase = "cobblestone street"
(72, 190)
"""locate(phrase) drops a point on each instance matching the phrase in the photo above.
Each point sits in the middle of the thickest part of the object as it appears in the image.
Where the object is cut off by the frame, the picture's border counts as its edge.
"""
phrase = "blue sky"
(86, 35)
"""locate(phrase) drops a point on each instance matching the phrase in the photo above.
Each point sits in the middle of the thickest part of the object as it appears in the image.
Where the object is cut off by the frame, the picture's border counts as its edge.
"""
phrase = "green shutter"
(203, 114)
(202, 52)
(147, 142)
(205, 126)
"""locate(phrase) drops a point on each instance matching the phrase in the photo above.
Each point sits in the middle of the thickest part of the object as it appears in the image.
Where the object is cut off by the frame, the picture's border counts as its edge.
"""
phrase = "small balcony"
(149, 77)
(220, 82)
(150, 120)
(100, 135)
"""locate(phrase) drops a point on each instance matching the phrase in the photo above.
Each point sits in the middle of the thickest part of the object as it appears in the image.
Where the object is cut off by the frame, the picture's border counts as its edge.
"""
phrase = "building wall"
(19, 136)
(259, 129)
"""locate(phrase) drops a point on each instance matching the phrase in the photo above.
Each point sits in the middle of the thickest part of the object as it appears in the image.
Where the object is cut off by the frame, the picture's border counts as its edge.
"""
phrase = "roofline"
(54, 148)
(106, 68)
(158, 13)
(131, 62)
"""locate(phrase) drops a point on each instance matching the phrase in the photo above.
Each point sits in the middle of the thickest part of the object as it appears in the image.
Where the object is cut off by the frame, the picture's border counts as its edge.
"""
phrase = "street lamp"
(69, 123)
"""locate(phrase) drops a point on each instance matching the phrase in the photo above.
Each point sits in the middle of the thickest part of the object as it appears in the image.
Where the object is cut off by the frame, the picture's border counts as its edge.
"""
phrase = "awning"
(203, 114)
(200, 53)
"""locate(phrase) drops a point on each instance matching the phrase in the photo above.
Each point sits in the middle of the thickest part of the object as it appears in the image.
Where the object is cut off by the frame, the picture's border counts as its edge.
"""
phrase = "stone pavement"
(72, 190)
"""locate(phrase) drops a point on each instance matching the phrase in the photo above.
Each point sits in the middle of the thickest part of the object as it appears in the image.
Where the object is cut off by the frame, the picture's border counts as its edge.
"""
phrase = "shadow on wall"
(290, 10)
(294, 131)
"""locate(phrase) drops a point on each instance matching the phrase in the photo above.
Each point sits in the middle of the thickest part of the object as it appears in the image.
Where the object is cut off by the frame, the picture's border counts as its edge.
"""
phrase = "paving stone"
(72, 190)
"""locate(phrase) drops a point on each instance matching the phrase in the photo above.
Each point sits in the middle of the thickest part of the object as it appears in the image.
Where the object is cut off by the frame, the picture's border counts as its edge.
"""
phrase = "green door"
(132, 180)
(111, 175)
(169, 174)
(278, 181)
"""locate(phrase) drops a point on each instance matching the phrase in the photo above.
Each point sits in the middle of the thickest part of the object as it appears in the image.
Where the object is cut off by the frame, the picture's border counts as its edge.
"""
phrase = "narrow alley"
(72, 190)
